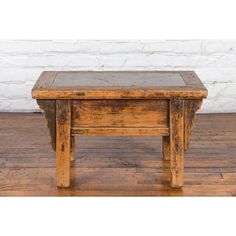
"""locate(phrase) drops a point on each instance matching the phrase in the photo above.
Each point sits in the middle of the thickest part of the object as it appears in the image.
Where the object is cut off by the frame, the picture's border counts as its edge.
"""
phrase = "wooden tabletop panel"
(118, 85)
(121, 79)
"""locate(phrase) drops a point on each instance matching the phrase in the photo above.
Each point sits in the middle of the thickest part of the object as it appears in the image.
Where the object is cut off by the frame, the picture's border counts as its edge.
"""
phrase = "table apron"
(141, 116)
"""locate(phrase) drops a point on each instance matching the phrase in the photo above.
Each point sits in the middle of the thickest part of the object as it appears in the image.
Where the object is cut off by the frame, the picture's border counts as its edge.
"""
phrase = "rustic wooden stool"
(120, 103)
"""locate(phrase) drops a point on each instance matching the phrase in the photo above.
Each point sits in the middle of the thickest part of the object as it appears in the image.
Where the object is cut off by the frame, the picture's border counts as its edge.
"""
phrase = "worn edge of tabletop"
(194, 89)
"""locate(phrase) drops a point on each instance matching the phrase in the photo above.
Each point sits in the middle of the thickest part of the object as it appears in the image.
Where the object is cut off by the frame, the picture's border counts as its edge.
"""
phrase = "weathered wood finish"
(116, 166)
(166, 148)
(177, 142)
(121, 131)
(190, 109)
(120, 113)
(49, 108)
(45, 80)
(118, 93)
(72, 148)
(141, 87)
(63, 139)
(192, 80)
(131, 103)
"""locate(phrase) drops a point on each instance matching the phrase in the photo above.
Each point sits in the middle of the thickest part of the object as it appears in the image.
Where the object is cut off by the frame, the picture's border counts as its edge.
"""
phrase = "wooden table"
(120, 103)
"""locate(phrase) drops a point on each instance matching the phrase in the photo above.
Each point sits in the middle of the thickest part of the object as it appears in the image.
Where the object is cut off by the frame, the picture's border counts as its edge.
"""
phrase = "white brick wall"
(21, 62)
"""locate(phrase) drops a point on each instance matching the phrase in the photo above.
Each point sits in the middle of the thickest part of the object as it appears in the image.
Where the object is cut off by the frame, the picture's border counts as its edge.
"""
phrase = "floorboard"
(116, 166)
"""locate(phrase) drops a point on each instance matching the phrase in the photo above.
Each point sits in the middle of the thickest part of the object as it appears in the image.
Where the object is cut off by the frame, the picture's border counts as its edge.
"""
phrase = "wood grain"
(121, 131)
(119, 93)
(49, 108)
(177, 142)
(120, 103)
(116, 166)
(120, 113)
(190, 109)
(119, 85)
(166, 148)
(113, 79)
(72, 148)
(45, 80)
(63, 123)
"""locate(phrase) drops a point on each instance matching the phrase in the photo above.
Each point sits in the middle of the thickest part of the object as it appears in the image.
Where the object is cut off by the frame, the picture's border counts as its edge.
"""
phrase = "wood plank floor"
(115, 166)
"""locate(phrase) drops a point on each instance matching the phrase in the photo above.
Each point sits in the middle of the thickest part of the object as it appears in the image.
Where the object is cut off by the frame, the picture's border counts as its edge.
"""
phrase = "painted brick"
(22, 61)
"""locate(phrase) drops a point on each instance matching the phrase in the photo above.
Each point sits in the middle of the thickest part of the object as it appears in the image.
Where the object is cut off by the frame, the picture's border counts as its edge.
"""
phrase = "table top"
(118, 85)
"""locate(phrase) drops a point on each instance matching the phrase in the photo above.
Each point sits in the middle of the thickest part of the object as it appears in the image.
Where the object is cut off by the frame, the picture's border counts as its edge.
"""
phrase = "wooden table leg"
(72, 149)
(166, 148)
(177, 142)
(63, 136)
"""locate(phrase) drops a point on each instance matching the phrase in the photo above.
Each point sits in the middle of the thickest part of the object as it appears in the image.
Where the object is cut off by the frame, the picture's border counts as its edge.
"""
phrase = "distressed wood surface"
(121, 131)
(111, 103)
(49, 108)
(63, 140)
(119, 85)
(166, 148)
(45, 80)
(177, 143)
(120, 113)
(121, 79)
(123, 118)
(72, 148)
(190, 109)
(116, 166)
(191, 79)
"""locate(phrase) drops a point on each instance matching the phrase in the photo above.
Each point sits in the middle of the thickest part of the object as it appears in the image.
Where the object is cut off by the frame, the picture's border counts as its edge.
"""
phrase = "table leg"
(63, 136)
(177, 142)
(72, 149)
(166, 148)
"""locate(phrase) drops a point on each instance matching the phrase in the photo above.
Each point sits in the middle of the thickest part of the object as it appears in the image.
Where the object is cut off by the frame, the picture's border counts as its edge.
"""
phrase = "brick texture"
(21, 62)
